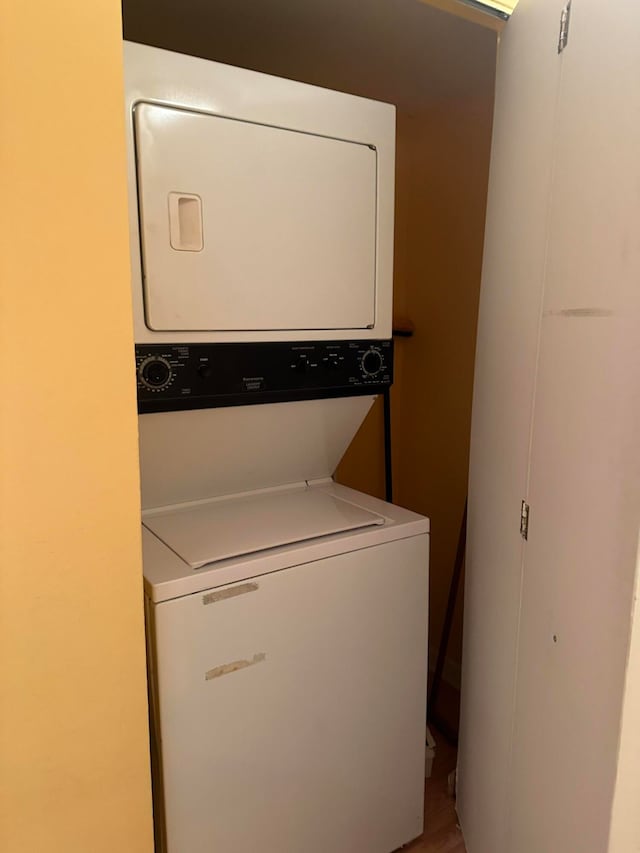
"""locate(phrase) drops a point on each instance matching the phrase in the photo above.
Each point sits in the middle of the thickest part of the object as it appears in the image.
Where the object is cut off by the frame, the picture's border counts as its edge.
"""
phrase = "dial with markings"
(155, 372)
(371, 362)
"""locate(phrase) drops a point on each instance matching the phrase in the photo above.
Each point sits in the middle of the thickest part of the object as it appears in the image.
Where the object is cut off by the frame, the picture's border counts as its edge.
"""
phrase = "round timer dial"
(155, 372)
(372, 362)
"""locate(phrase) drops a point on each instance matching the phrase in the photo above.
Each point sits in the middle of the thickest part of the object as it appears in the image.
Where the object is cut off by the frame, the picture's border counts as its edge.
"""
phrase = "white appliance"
(289, 683)
(287, 615)
(261, 209)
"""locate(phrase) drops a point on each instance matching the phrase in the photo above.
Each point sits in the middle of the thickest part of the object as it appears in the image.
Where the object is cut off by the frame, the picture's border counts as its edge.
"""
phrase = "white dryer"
(287, 615)
(261, 209)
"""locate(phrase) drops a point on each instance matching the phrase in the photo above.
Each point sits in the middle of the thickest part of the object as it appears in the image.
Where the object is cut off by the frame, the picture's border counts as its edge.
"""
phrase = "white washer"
(288, 684)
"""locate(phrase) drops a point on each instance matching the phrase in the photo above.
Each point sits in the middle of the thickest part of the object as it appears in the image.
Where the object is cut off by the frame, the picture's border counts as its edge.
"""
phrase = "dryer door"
(249, 227)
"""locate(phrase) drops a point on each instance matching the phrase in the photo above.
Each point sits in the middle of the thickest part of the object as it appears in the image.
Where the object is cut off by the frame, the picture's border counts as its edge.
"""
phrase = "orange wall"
(625, 820)
(446, 208)
(442, 173)
(74, 770)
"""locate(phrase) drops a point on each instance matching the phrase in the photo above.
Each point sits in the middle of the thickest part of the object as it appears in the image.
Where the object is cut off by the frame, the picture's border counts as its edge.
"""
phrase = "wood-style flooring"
(442, 834)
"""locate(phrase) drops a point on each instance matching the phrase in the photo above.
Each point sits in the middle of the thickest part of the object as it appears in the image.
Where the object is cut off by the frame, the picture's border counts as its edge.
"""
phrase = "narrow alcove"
(439, 71)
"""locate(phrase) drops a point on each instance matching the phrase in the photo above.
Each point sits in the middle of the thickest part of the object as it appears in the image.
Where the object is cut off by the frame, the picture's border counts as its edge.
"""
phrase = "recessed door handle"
(185, 222)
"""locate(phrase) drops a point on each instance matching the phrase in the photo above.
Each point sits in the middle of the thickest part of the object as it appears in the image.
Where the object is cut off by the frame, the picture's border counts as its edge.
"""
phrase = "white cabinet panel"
(247, 226)
(561, 272)
(239, 449)
(292, 714)
(585, 467)
(510, 303)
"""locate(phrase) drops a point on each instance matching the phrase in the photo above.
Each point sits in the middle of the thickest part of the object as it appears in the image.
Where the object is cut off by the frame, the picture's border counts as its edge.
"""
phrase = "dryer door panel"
(248, 227)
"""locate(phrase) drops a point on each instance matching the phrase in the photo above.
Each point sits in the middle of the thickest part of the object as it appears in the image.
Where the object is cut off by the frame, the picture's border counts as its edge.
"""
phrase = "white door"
(250, 227)
(556, 422)
(292, 707)
(584, 488)
(511, 295)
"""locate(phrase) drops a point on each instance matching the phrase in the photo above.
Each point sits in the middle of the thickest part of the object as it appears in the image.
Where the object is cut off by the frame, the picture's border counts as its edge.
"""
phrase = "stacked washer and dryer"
(286, 614)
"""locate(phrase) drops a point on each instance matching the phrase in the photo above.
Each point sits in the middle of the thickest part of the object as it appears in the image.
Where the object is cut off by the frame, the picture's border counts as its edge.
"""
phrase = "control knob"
(155, 372)
(301, 363)
(371, 362)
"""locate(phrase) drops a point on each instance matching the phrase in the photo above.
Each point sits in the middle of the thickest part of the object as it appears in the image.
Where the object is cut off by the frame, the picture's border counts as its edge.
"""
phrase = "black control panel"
(199, 376)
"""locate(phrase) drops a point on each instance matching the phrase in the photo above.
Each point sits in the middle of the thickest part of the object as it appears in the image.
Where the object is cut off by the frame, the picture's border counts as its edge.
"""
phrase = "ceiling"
(506, 6)
(401, 51)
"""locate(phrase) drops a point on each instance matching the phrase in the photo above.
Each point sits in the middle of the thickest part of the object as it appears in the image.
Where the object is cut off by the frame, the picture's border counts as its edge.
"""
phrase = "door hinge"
(524, 520)
(565, 17)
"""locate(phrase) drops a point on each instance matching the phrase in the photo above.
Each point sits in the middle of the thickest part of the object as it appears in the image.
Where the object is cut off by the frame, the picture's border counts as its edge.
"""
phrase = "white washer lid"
(220, 529)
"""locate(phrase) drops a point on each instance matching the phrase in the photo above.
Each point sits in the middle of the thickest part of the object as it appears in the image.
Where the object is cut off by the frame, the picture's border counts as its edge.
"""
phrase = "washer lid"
(221, 529)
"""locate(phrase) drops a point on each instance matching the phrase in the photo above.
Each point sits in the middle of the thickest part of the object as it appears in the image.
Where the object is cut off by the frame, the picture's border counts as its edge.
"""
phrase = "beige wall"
(74, 773)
